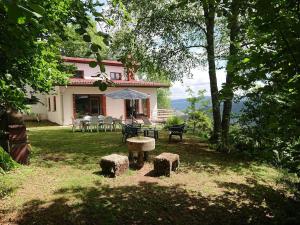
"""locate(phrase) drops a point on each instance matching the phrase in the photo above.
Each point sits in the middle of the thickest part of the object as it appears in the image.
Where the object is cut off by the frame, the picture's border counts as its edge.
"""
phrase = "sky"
(200, 80)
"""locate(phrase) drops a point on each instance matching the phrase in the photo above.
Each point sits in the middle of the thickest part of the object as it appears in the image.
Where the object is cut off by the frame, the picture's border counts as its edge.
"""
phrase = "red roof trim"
(88, 60)
(118, 83)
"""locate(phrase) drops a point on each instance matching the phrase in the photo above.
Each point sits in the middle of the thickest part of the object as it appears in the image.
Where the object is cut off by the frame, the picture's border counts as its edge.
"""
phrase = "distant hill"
(182, 104)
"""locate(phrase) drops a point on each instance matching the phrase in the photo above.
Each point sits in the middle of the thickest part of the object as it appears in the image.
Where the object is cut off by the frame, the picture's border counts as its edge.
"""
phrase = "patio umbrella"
(128, 94)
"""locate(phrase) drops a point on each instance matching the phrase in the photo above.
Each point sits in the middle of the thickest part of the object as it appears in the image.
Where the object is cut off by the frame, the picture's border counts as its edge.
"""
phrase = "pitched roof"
(118, 83)
(88, 60)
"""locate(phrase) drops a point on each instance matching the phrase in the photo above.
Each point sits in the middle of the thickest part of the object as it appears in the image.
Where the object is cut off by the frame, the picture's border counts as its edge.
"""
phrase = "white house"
(80, 97)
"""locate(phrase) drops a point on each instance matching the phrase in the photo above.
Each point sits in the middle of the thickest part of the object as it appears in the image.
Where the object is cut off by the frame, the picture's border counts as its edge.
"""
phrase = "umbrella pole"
(131, 111)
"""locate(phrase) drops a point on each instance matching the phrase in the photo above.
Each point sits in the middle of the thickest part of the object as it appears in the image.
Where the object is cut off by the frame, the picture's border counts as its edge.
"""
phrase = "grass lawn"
(63, 185)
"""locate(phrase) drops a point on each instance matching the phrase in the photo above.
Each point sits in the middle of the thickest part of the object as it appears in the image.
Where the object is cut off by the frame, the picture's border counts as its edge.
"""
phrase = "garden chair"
(94, 124)
(129, 130)
(118, 122)
(177, 130)
(108, 123)
(101, 120)
(76, 123)
(85, 123)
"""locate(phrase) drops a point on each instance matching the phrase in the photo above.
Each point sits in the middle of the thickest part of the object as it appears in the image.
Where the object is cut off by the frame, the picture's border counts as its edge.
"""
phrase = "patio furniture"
(151, 132)
(94, 123)
(114, 164)
(118, 122)
(76, 123)
(139, 146)
(85, 123)
(176, 130)
(128, 130)
(108, 123)
(165, 163)
(129, 94)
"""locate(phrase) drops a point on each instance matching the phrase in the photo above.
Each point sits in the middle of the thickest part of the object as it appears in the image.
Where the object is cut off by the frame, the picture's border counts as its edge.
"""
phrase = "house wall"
(55, 115)
(90, 72)
(40, 108)
(114, 107)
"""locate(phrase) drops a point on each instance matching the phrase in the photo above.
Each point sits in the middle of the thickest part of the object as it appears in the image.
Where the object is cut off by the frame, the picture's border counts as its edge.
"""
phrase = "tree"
(197, 112)
(171, 38)
(269, 71)
(232, 10)
(29, 46)
(75, 46)
(163, 98)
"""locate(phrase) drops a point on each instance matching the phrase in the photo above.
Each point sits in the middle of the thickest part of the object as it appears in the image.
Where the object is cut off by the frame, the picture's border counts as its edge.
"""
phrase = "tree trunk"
(209, 13)
(4, 130)
(227, 107)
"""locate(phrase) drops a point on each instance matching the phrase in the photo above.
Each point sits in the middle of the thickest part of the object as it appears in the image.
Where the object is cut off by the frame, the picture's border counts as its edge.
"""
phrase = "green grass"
(63, 185)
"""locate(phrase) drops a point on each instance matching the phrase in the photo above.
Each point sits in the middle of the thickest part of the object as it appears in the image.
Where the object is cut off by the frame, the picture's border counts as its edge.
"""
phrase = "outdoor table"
(141, 146)
(151, 132)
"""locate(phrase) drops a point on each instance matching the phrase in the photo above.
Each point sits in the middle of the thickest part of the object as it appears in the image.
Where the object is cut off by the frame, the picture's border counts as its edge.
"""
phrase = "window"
(49, 104)
(115, 76)
(88, 105)
(79, 74)
(54, 103)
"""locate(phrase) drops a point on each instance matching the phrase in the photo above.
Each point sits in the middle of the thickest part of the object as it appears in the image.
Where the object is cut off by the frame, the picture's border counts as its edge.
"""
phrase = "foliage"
(166, 38)
(197, 112)
(163, 98)
(29, 45)
(75, 46)
(174, 120)
(6, 162)
(269, 75)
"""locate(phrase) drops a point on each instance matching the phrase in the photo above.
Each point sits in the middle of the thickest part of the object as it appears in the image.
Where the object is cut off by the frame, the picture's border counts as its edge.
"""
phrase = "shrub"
(174, 120)
(200, 123)
(6, 162)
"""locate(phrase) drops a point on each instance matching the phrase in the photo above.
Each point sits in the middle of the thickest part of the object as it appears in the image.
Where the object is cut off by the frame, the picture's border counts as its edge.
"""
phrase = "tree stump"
(114, 165)
(165, 163)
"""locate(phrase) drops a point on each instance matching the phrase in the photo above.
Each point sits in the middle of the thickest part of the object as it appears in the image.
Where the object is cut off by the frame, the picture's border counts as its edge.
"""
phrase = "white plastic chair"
(94, 124)
(108, 122)
(76, 123)
(86, 122)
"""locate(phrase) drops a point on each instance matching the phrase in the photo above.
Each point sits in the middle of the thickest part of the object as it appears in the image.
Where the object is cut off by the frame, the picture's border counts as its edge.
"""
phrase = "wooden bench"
(165, 163)
(114, 164)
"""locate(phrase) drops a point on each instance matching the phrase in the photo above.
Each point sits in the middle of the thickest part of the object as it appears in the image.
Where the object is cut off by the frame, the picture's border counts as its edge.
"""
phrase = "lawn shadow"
(84, 150)
(150, 203)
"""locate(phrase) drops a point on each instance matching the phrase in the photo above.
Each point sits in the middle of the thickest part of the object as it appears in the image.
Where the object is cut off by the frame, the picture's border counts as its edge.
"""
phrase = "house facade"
(81, 98)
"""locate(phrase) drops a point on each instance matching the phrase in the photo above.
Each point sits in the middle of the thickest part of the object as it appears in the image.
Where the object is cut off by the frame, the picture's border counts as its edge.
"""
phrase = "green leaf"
(93, 64)
(80, 31)
(21, 20)
(95, 47)
(86, 38)
(102, 86)
(245, 60)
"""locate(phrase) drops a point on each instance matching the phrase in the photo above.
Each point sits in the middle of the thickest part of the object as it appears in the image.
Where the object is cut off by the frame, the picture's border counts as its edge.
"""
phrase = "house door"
(131, 107)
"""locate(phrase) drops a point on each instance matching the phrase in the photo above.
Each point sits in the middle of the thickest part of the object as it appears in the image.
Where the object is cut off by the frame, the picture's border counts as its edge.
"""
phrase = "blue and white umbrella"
(128, 94)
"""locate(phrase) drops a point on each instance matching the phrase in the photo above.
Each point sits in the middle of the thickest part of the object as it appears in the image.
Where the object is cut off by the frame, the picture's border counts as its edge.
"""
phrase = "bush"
(200, 123)
(6, 162)
(174, 120)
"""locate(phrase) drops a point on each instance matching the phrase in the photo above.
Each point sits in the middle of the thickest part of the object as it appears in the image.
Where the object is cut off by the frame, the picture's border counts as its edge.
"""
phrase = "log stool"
(114, 164)
(164, 163)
